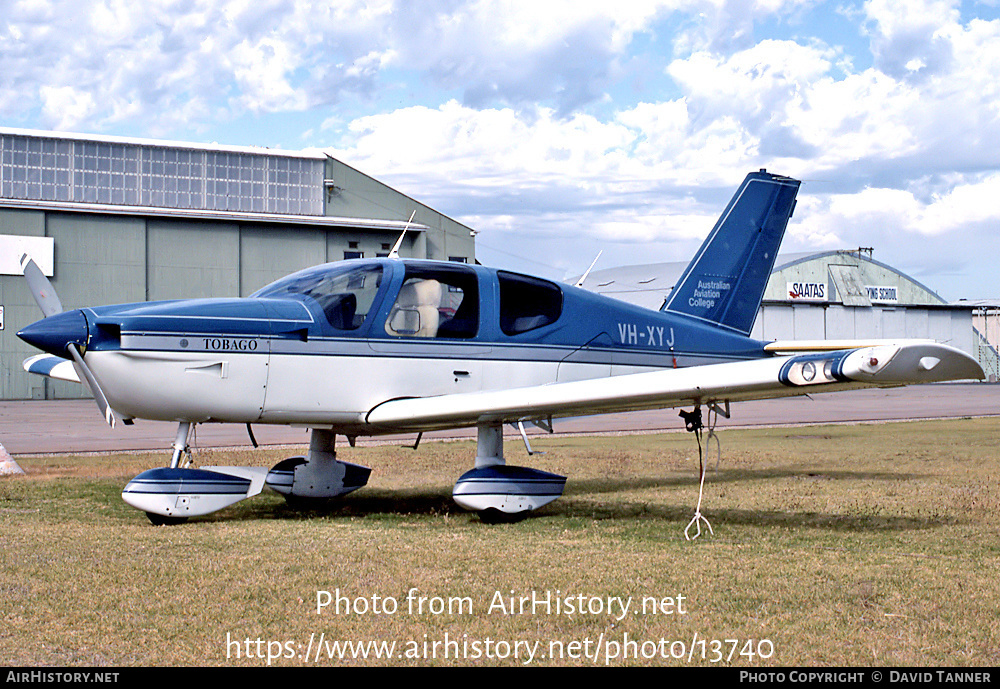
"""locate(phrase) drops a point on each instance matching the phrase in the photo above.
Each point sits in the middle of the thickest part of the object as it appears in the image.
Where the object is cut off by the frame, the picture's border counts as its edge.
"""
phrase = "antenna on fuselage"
(395, 248)
(579, 283)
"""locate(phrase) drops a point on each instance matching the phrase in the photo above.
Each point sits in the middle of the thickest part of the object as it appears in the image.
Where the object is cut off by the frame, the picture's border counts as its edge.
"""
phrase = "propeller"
(41, 289)
(48, 301)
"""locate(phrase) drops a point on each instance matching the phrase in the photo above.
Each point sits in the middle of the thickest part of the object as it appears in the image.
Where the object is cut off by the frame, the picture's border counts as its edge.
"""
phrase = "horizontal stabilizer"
(803, 346)
(51, 366)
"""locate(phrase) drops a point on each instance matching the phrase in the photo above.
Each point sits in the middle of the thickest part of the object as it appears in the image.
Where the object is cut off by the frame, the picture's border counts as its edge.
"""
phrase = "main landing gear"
(318, 475)
(501, 492)
(170, 495)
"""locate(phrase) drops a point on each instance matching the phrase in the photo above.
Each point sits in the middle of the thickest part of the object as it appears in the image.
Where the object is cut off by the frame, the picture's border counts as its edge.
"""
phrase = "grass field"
(833, 545)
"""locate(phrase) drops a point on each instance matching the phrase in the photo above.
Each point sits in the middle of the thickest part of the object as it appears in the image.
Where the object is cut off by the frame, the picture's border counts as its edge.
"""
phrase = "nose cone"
(55, 333)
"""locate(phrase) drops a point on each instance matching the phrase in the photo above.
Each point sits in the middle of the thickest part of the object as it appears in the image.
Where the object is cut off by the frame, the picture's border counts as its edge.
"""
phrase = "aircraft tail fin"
(725, 282)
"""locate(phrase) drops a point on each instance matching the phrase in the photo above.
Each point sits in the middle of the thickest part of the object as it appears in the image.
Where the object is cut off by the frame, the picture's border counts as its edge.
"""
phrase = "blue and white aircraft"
(368, 347)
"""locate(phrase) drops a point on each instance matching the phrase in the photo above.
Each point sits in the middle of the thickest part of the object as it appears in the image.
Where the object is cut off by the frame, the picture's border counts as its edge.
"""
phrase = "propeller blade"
(41, 289)
(48, 301)
(84, 372)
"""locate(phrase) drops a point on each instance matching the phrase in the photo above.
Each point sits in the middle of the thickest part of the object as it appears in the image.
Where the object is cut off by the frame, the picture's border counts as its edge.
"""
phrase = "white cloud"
(521, 52)
(510, 173)
(907, 30)
(149, 61)
(899, 223)
(261, 71)
(206, 56)
(464, 146)
(63, 107)
(279, 55)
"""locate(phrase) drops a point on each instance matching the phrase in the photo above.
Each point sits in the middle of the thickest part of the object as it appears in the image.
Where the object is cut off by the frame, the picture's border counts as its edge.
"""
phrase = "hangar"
(116, 220)
(834, 295)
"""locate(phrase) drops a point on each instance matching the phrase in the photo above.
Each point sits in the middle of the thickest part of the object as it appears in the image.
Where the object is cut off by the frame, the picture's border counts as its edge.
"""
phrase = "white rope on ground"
(713, 419)
(698, 518)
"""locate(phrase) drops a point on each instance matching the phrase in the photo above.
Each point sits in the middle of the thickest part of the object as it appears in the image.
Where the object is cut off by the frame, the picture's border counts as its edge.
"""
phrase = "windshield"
(345, 292)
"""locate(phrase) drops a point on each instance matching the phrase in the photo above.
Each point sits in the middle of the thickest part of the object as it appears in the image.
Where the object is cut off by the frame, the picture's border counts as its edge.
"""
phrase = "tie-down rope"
(693, 423)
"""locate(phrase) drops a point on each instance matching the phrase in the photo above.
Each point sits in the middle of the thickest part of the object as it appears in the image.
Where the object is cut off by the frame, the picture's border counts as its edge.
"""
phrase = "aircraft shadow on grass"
(436, 501)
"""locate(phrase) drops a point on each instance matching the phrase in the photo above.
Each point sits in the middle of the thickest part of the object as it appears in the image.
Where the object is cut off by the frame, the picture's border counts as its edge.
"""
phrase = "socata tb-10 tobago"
(378, 346)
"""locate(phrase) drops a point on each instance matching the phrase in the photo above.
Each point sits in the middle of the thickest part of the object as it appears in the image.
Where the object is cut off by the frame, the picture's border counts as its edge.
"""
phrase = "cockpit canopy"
(344, 291)
(435, 300)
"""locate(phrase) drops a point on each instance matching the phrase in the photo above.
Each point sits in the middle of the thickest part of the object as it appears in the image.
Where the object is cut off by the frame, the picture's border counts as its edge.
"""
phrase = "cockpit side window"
(527, 303)
(436, 303)
(344, 292)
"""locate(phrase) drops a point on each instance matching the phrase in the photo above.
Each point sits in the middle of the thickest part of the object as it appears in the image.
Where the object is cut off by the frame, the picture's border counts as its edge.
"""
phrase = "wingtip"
(912, 363)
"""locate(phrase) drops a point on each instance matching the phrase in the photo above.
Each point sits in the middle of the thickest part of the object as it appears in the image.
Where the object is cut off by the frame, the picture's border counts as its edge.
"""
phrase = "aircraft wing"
(879, 366)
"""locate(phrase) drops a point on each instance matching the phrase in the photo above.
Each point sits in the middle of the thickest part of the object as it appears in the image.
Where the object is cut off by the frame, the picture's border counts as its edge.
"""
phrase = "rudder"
(725, 282)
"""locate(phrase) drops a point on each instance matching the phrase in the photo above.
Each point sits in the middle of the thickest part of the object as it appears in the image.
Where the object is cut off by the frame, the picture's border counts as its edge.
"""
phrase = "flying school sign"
(818, 291)
(880, 294)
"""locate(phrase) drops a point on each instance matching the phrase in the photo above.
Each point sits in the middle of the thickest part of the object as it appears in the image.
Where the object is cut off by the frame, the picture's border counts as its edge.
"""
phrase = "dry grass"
(841, 545)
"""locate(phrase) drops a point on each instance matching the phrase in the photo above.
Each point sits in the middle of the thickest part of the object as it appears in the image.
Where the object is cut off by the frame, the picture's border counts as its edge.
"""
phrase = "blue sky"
(559, 129)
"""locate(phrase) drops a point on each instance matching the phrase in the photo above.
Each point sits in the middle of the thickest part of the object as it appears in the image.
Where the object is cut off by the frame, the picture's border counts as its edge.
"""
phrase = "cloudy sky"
(558, 129)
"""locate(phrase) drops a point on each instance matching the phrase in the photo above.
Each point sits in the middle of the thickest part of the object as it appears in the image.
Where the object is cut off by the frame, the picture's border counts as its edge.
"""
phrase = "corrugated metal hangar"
(113, 220)
(832, 295)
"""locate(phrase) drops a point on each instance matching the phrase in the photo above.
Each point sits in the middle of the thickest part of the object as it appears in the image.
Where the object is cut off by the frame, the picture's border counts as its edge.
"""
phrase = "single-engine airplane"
(379, 346)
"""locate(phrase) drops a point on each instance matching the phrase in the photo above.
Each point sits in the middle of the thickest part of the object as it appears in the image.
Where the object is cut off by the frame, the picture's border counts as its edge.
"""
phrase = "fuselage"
(324, 346)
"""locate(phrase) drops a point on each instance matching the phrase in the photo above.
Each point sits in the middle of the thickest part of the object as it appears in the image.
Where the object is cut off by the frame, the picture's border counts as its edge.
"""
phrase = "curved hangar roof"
(851, 278)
